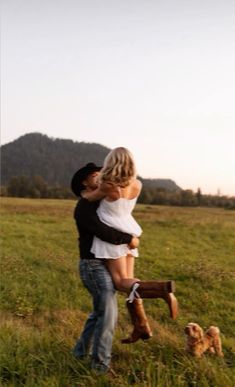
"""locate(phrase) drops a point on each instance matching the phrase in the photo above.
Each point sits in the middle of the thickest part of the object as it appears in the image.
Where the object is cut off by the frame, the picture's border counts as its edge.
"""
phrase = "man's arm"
(87, 218)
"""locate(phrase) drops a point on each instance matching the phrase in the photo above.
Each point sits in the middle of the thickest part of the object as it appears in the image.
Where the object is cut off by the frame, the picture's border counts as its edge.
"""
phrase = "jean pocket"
(95, 263)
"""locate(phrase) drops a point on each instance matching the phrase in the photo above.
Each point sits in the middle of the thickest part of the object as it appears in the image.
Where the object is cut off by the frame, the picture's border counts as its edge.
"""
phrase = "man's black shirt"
(89, 224)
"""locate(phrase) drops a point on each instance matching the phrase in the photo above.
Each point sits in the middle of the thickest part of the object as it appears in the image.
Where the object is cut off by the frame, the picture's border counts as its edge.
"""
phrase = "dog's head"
(194, 331)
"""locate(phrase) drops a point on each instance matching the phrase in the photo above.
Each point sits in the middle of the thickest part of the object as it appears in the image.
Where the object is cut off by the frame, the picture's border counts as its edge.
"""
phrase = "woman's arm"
(104, 189)
(92, 196)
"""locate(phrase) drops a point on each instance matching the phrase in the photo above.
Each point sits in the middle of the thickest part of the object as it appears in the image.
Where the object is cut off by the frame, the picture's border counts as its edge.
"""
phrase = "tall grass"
(44, 305)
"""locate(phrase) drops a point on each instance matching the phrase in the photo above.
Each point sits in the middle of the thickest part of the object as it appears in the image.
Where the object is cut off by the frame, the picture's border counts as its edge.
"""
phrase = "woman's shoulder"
(136, 183)
(111, 190)
(135, 188)
(139, 183)
(114, 192)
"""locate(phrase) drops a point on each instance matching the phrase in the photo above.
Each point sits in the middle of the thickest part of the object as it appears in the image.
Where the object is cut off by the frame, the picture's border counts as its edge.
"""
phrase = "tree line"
(186, 198)
(36, 187)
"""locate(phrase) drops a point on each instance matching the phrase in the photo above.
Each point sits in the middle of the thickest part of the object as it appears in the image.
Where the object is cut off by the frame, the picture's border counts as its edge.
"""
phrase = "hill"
(56, 160)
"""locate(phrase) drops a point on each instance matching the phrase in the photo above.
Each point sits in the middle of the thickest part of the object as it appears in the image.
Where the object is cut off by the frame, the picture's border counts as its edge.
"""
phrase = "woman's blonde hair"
(119, 167)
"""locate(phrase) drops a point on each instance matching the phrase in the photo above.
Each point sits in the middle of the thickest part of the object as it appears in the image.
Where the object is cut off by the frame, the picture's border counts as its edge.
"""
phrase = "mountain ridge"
(56, 160)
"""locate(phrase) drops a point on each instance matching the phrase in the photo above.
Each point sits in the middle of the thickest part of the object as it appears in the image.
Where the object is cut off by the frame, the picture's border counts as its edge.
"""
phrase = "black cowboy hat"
(80, 176)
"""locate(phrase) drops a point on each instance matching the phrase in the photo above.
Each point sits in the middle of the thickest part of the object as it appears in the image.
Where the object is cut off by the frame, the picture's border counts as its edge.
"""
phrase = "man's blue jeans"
(99, 327)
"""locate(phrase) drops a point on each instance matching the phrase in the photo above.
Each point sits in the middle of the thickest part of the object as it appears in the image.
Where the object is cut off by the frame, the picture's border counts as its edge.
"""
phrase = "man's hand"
(134, 243)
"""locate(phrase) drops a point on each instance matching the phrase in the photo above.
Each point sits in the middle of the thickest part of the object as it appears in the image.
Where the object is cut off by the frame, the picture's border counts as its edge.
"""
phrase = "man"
(99, 327)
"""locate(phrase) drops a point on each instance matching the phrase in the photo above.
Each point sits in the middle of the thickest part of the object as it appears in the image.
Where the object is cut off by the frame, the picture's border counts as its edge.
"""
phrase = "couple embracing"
(108, 242)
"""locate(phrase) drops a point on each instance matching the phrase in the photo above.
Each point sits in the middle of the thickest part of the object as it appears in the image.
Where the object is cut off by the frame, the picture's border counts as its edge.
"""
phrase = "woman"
(119, 189)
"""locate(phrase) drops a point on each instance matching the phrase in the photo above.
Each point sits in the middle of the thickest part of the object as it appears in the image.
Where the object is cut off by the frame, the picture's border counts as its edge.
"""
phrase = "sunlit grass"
(44, 305)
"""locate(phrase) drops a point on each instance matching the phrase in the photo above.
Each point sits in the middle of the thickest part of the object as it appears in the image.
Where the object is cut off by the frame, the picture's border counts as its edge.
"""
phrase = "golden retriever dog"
(198, 341)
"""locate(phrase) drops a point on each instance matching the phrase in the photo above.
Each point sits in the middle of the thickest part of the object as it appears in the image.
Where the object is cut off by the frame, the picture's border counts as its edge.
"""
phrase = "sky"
(155, 76)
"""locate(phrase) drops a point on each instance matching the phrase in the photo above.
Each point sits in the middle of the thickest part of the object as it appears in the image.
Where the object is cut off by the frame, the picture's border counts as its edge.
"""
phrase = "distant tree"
(24, 186)
(146, 196)
(188, 198)
(19, 186)
(60, 193)
(40, 186)
(199, 196)
(175, 199)
(160, 196)
(3, 190)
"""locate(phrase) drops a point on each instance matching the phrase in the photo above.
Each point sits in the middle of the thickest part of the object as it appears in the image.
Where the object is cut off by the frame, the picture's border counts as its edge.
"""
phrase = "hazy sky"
(156, 76)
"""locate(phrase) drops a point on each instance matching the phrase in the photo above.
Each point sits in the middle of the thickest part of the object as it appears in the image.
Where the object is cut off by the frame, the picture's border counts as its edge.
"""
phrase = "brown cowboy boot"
(139, 320)
(165, 286)
(157, 289)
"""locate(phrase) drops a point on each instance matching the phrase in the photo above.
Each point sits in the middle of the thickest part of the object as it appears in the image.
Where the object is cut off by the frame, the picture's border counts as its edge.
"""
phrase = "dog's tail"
(213, 331)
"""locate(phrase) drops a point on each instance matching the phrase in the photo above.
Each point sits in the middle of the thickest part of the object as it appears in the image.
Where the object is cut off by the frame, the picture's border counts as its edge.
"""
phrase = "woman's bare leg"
(118, 270)
(130, 263)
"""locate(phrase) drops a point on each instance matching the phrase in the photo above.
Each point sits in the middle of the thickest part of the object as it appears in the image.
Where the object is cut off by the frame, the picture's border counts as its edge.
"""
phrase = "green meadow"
(44, 305)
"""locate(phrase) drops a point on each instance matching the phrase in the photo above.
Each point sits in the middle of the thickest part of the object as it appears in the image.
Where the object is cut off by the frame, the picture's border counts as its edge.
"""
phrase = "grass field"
(44, 305)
